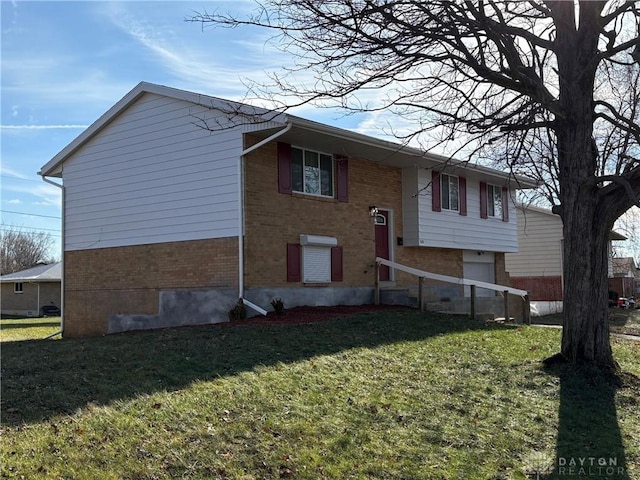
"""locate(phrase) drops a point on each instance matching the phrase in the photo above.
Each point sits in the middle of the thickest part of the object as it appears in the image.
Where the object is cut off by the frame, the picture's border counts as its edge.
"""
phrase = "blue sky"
(63, 64)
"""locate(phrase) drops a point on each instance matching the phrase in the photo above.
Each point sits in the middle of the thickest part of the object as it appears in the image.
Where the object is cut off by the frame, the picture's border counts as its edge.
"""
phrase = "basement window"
(316, 258)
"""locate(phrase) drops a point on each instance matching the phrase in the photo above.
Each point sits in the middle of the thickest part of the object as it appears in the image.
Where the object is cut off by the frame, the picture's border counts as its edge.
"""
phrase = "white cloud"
(15, 201)
(215, 62)
(46, 195)
(89, 88)
(4, 170)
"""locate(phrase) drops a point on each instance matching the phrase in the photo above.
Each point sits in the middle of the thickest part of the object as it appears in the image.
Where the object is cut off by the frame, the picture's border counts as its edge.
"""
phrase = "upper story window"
(311, 172)
(494, 201)
(18, 288)
(450, 192)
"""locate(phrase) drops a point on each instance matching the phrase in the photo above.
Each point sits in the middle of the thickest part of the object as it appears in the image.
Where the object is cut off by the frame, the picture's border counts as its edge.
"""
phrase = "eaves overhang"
(311, 134)
(338, 141)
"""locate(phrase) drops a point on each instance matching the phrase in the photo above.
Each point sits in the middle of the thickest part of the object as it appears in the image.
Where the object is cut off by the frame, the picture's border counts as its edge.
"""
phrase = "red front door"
(382, 241)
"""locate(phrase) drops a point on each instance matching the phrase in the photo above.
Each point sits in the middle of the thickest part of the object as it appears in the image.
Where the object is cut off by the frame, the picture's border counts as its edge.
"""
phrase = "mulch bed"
(314, 314)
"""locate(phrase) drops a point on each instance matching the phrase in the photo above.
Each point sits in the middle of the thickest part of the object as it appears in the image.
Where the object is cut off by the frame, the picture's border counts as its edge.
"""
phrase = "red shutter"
(435, 191)
(342, 178)
(336, 263)
(293, 262)
(483, 200)
(505, 204)
(463, 195)
(284, 167)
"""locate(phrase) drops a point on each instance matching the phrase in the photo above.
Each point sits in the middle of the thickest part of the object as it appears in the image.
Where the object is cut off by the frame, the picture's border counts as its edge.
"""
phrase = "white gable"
(152, 175)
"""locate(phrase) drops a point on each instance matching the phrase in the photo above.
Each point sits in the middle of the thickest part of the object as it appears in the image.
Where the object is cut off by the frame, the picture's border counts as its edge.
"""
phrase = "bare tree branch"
(20, 250)
(542, 88)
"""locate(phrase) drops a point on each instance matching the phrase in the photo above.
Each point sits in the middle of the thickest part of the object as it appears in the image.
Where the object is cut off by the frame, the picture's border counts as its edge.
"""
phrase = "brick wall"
(126, 280)
(502, 276)
(273, 219)
(623, 286)
(547, 289)
(20, 303)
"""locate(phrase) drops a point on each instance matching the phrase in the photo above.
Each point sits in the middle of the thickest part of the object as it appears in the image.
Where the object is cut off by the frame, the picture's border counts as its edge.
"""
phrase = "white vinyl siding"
(540, 245)
(152, 176)
(448, 229)
(410, 194)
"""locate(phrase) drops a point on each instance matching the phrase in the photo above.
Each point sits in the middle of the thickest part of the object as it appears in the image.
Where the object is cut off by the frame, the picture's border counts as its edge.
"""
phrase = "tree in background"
(506, 75)
(629, 226)
(20, 250)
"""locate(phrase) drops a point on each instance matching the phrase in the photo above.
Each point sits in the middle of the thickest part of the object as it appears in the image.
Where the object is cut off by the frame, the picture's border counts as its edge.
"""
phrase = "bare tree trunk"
(585, 335)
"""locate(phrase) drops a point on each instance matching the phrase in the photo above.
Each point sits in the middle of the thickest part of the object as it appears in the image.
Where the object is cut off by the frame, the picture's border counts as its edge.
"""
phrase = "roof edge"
(51, 168)
(133, 95)
(521, 181)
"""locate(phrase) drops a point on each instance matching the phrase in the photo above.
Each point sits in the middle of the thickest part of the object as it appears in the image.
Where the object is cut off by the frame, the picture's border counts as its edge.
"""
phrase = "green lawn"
(12, 329)
(389, 395)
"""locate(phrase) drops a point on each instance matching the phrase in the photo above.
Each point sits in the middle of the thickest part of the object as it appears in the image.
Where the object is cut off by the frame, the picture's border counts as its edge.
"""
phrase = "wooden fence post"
(473, 302)
(506, 306)
(377, 285)
(526, 310)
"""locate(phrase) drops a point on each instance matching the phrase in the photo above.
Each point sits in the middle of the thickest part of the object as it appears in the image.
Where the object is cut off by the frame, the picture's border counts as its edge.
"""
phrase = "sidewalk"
(633, 338)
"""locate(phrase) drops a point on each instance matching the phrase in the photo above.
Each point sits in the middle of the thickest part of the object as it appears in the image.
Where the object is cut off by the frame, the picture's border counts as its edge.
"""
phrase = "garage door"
(481, 271)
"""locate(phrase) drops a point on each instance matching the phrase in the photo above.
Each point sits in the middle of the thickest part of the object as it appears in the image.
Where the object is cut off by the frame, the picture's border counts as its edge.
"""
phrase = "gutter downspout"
(241, 215)
(62, 189)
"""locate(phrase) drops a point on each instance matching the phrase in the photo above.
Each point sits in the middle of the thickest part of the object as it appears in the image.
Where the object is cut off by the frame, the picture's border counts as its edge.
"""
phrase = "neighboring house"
(24, 293)
(537, 265)
(176, 204)
(626, 277)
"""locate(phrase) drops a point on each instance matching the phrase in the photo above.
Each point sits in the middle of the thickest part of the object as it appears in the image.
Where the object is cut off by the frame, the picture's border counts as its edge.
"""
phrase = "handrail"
(455, 280)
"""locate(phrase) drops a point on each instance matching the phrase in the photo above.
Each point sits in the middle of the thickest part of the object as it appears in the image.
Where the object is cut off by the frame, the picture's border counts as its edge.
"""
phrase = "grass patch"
(392, 395)
(15, 329)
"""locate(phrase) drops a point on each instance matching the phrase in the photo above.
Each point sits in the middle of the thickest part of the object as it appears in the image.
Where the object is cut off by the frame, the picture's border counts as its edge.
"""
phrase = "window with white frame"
(494, 201)
(450, 192)
(311, 172)
(18, 287)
